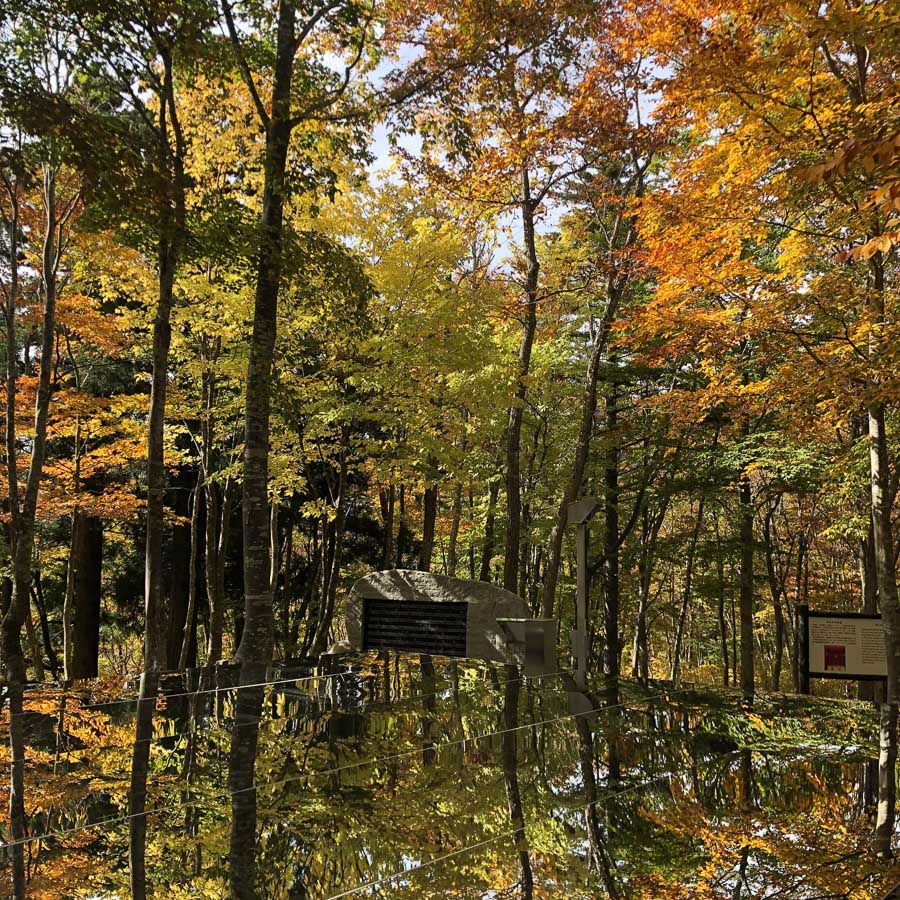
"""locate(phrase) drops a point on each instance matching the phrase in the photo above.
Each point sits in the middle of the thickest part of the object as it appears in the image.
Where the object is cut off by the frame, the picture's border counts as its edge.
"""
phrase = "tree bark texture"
(890, 615)
(429, 518)
(258, 634)
(189, 631)
(487, 546)
(177, 554)
(611, 650)
(332, 569)
(88, 554)
(599, 855)
(169, 243)
(517, 410)
(748, 685)
(582, 451)
(509, 753)
(686, 590)
(23, 517)
(17, 790)
(218, 526)
(453, 538)
(137, 792)
(241, 786)
(387, 499)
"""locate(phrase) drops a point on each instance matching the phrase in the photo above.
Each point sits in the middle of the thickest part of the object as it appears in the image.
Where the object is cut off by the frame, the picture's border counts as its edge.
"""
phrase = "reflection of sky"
(509, 234)
(510, 223)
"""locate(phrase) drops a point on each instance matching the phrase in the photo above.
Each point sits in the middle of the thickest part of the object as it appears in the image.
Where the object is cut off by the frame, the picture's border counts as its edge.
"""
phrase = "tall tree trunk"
(68, 616)
(524, 552)
(17, 789)
(429, 518)
(537, 559)
(69, 598)
(686, 591)
(137, 792)
(189, 632)
(890, 616)
(611, 650)
(720, 605)
(287, 583)
(34, 648)
(170, 239)
(9, 628)
(746, 592)
(456, 507)
(487, 547)
(868, 573)
(178, 562)
(23, 518)
(258, 634)
(599, 855)
(582, 451)
(517, 410)
(509, 752)
(387, 500)
(778, 661)
(639, 649)
(402, 529)
(37, 595)
(646, 560)
(453, 538)
(241, 764)
(886, 572)
(5, 594)
(471, 501)
(776, 589)
(274, 547)
(312, 598)
(799, 597)
(88, 580)
(218, 523)
(429, 704)
(333, 566)
(866, 690)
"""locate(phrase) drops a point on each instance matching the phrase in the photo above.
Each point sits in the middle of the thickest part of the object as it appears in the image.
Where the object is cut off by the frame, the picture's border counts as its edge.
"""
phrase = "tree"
(498, 109)
(810, 94)
(303, 93)
(58, 199)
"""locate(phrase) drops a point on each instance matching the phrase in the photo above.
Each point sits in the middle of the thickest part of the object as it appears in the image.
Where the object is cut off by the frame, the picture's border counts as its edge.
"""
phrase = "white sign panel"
(846, 646)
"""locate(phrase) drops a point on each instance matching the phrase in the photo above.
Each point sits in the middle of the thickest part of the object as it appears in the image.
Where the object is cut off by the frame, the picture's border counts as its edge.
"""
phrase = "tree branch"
(246, 74)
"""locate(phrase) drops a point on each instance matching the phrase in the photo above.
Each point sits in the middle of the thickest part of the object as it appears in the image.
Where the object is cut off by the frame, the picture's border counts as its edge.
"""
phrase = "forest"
(299, 290)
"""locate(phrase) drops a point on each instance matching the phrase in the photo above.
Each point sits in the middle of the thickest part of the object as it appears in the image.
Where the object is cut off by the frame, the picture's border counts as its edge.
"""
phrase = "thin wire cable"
(446, 744)
(232, 687)
(113, 820)
(213, 690)
(330, 709)
(609, 795)
(424, 865)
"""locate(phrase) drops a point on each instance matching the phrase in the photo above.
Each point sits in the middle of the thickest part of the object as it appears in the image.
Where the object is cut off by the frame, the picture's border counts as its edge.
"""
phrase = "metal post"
(802, 638)
(578, 514)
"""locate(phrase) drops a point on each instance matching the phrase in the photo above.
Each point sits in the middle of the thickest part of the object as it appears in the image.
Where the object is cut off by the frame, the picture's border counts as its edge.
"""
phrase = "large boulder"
(485, 638)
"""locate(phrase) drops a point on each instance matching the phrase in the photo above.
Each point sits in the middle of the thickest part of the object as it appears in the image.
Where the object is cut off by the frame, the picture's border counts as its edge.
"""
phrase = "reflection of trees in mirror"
(16, 788)
(241, 785)
(509, 730)
(436, 779)
(137, 791)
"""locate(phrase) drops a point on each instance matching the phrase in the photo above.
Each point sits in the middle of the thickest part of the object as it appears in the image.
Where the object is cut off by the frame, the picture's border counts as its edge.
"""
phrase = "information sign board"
(844, 645)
